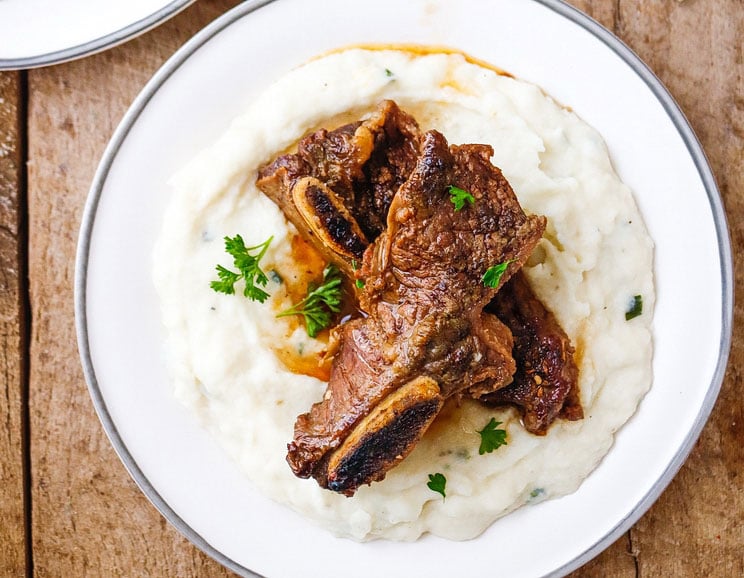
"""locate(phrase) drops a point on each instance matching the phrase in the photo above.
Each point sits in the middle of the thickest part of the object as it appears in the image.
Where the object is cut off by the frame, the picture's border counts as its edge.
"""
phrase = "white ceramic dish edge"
(664, 98)
(98, 44)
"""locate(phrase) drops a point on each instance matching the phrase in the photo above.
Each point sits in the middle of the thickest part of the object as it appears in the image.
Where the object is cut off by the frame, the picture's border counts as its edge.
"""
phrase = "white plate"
(40, 32)
(192, 99)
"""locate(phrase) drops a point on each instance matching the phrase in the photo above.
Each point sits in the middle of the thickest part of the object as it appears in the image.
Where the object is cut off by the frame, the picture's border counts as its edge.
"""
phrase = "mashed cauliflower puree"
(595, 257)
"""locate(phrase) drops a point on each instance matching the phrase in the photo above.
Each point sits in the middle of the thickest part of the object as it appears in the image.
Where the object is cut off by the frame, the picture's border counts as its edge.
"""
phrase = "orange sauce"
(310, 270)
(579, 348)
(446, 420)
(297, 283)
(315, 365)
(421, 50)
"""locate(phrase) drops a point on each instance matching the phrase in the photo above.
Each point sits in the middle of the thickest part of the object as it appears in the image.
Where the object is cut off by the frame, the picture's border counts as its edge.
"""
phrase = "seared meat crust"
(337, 189)
(423, 299)
(546, 381)
(376, 192)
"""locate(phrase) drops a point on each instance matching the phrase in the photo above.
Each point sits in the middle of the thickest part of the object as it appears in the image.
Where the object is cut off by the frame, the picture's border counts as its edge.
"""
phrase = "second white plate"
(40, 32)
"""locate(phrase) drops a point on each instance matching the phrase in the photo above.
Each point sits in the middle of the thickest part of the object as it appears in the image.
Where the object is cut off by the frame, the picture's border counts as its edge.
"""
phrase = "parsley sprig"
(459, 197)
(321, 302)
(635, 309)
(492, 276)
(437, 483)
(247, 264)
(491, 438)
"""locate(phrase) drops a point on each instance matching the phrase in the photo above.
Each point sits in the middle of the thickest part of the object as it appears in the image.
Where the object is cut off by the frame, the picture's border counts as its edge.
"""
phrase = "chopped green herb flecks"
(463, 454)
(492, 276)
(491, 438)
(275, 277)
(636, 308)
(459, 197)
(437, 483)
(321, 302)
(247, 264)
(536, 492)
(388, 73)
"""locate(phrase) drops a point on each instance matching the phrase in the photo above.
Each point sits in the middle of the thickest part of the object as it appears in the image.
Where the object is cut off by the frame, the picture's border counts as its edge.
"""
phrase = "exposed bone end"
(327, 217)
(385, 436)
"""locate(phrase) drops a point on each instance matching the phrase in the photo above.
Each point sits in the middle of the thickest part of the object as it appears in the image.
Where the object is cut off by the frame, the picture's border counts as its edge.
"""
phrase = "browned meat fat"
(337, 189)
(423, 298)
(546, 381)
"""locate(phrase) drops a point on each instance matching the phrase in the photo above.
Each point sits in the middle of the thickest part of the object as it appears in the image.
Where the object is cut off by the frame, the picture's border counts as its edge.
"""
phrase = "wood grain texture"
(619, 559)
(696, 48)
(697, 527)
(12, 327)
(89, 519)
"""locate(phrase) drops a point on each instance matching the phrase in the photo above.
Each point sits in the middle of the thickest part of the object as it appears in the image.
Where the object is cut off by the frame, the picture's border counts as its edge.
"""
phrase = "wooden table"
(68, 507)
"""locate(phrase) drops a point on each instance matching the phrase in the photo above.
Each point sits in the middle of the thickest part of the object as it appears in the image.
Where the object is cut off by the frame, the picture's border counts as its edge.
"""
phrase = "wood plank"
(12, 332)
(89, 518)
(696, 48)
(618, 560)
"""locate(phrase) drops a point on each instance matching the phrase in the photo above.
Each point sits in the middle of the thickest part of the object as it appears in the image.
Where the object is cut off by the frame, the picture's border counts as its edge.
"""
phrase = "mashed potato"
(595, 257)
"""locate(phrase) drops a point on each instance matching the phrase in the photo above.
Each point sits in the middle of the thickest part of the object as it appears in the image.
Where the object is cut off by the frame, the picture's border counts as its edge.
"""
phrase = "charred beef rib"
(545, 384)
(338, 187)
(424, 337)
(337, 191)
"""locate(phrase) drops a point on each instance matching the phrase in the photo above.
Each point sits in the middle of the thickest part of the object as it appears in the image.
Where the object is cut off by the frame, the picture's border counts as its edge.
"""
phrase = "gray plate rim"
(98, 44)
(560, 7)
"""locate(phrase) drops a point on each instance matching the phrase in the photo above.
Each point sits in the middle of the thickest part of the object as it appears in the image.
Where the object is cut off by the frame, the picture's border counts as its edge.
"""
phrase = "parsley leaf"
(459, 197)
(436, 483)
(248, 269)
(491, 438)
(636, 308)
(321, 302)
(493, 275)
(536, 492)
